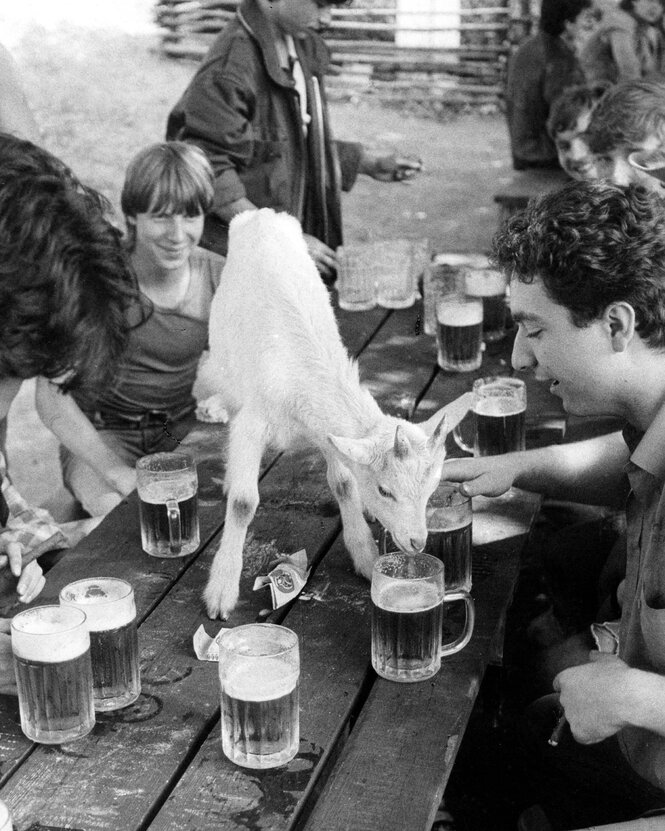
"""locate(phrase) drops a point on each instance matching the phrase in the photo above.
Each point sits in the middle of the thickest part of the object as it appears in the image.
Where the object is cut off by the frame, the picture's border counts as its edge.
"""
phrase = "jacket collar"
(255, 22)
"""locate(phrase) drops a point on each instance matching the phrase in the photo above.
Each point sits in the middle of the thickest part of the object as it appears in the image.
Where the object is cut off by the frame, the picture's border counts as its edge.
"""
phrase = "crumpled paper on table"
(286, 581)
(606, 636)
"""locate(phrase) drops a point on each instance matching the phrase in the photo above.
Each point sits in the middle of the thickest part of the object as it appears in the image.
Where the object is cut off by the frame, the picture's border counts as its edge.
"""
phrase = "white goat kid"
(275, 346)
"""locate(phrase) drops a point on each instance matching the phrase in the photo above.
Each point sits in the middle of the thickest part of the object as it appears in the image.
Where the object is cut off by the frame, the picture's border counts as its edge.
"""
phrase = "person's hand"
(594, 695)
(7, 677)
(324, 257)
(484, 476)
(123, 479)
(30, 579)
(391, 168)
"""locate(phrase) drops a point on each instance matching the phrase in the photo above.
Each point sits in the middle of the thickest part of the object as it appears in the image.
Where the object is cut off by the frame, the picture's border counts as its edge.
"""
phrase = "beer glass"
(356, 277)
(459, 332)
(51, 648)
(489, 286)
(110, 612)
(396, 262)
(259, 670)
(167, 487)
(499, 417)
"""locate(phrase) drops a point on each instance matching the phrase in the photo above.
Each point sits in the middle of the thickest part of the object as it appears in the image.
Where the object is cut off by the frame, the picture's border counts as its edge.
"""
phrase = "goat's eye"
(385, 493)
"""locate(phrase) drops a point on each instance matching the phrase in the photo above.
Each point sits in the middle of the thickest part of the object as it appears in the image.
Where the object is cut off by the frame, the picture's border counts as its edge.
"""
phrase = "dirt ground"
(100, 93)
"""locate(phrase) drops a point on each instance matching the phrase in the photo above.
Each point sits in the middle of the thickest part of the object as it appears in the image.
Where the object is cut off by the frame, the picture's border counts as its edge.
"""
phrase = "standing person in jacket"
(257, 106)
(541, 68)
(149, 406)
(628, 44)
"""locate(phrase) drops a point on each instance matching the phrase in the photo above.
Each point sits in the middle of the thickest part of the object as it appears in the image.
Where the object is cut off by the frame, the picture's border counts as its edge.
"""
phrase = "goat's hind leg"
(358, 537)
(246, 445)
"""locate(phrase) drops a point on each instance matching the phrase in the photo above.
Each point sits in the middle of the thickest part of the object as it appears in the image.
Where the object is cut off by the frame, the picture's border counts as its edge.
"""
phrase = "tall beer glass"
(51, 647)
(259, 671)
(114, 644)
(499, 417)
(459, 332)
(489, 286)
(167, 486)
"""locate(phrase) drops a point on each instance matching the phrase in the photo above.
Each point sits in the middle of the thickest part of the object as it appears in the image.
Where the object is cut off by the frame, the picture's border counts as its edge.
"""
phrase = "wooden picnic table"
(373, 753)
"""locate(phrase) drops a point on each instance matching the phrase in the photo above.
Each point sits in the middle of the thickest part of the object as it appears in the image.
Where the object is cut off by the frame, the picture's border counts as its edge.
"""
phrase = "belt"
(110, 420)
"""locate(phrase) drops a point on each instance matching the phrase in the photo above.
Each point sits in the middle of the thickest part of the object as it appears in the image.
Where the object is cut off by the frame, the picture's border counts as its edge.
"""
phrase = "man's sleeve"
(349, 154)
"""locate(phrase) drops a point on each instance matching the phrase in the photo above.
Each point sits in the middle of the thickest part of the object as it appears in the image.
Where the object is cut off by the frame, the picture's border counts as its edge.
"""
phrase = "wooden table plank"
(408, 734)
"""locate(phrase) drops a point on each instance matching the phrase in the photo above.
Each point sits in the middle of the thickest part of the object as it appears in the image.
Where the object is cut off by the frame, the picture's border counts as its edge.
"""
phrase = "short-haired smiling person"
(587, 281)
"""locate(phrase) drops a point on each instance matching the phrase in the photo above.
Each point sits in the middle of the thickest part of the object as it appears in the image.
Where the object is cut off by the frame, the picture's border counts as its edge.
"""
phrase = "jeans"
(94, 493)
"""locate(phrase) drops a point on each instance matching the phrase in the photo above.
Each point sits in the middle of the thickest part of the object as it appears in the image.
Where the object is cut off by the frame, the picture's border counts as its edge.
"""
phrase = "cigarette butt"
(557, 733)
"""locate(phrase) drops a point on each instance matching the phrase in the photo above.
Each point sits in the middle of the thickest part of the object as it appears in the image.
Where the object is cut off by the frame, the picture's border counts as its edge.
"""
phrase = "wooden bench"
(523, 185)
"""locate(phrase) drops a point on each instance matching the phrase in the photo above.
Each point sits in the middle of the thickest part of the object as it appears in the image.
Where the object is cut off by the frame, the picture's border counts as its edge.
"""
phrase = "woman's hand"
(324, 257)
(30, 579)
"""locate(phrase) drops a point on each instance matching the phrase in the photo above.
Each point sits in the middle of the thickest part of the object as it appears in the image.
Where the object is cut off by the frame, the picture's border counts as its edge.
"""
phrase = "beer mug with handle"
(167, 486)
(499, 417)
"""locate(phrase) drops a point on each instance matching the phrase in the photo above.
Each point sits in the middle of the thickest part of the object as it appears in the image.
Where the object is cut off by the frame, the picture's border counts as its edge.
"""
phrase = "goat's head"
(397, 469)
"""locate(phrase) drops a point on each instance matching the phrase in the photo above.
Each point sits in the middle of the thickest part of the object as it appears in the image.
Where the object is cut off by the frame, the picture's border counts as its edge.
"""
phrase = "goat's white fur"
(280, 369)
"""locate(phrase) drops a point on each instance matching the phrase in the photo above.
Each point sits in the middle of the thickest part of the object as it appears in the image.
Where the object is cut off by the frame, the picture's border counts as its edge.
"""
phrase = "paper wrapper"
(286, 581)
(606, 636)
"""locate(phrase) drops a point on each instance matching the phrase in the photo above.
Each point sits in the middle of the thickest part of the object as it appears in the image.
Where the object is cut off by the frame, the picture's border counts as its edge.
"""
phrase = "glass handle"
(457, 435)
(175, 532)
(469, 621)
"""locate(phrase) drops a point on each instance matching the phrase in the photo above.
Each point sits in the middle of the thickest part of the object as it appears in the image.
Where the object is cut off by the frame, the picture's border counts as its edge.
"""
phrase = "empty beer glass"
(114, 645)
(490, 287)
(51, 648)
(259, 671)
(459, 334)
(167, 486)
(499, 417)
(357, 276)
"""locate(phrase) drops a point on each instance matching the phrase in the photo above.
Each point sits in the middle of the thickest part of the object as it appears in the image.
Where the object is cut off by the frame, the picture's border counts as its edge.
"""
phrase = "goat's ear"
(454, 413)
(401, 446)
(360, 451)
(437, 441)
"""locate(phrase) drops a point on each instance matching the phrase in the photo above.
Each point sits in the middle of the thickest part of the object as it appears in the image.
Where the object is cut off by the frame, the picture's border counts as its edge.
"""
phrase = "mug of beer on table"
(459, 335)
(489, 286)
(110, 612)
(259, 673)
(167, 486)
(51, 649)
(498, 417)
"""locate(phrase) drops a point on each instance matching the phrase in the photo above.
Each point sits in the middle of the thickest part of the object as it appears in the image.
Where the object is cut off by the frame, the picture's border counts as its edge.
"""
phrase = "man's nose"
(522, 356)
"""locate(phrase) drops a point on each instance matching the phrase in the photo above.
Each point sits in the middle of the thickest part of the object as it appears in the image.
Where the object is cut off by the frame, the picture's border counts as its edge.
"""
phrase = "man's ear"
(620, 320)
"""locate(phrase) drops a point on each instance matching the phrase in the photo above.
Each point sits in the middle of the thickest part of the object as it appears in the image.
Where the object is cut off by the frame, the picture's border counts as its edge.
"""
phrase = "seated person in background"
(567, 124)
(541, 68)
(587, 280)
(627, 45)
(149, 407)
(65, 286)
(630, 117)
(257, 106)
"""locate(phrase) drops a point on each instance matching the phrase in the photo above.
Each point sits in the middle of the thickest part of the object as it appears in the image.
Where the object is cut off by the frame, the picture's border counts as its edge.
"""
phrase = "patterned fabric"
(27, 525)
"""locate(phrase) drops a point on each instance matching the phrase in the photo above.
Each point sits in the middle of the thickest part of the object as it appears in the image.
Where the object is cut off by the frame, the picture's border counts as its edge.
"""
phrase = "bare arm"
(589, 471)
(15, 114)
(62, 415)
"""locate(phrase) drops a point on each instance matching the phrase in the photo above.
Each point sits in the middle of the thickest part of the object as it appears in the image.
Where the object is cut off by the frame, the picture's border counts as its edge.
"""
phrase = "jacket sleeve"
(215, 113)
(349, 154)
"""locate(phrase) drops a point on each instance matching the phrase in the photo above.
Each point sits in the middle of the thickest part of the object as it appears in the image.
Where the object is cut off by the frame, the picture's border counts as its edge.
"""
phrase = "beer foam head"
(258, 679)
(458, 311)
(160, 492)
(406, 596)
(485, 283)
(50, 634)
(108, 603)
(498, 406)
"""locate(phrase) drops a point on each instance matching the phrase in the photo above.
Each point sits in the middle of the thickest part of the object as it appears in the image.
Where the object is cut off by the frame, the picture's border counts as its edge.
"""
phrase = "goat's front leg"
(246, 445)
(357, 535)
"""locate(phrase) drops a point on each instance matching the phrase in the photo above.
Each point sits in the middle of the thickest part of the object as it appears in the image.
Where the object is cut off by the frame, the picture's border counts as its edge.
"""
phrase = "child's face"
(649, 11)
(573, 151)
(294, 17)
(614, 165)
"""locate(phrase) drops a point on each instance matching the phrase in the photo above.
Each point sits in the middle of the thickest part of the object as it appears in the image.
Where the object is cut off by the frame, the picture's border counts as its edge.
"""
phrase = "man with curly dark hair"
(64, 289)
(587, 271)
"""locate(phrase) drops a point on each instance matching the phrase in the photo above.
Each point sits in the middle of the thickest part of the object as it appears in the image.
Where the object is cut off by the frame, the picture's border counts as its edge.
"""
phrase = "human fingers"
(475, 481)
(30, 583)
(14, 553)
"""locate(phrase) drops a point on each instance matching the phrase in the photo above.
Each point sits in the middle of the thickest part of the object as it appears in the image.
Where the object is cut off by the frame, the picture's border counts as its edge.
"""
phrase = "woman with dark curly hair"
(65, 287)
(541, 68)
